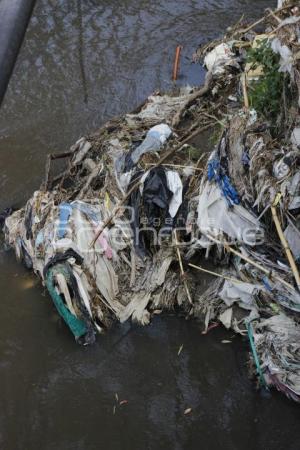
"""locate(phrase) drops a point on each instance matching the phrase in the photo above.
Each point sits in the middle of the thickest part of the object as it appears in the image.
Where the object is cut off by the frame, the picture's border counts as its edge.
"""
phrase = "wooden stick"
(250, 261)
(176, 62)
(225, 277)
(274, 16)
(176, 165)
(47, 172)
(245, 93)
(245, 30)
(133, 268)
(51, 157)
(199, 93)
(285, 246)
(210, 116)
(115, 211)
(198, 131)
(61, 155)
(182, 270)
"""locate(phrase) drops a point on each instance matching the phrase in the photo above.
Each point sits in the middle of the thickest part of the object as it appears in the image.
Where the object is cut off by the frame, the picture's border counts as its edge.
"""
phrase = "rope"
(255, 355)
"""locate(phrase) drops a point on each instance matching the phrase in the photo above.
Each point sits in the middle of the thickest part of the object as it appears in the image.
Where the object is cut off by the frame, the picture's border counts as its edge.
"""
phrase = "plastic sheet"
(215, 217)
(216, 60)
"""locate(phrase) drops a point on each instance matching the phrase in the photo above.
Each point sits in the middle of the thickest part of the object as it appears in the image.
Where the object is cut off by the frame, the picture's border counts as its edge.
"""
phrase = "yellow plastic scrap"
(107, 201)
(257, 72)
(277, 198)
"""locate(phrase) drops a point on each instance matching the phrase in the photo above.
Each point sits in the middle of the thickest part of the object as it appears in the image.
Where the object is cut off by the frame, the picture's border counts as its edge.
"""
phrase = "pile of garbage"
(140, 209)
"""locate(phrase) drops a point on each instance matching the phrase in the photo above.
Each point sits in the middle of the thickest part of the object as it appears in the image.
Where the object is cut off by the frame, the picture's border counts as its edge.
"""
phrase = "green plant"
(265, 94)
(215, 134)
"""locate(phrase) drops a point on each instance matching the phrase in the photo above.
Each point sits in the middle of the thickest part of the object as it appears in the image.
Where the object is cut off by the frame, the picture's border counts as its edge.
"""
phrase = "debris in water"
(115, 236)
(176, 62)
(210, 327)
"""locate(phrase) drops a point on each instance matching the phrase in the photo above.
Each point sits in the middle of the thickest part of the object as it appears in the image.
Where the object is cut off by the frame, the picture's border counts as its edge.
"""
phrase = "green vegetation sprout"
(265, 94)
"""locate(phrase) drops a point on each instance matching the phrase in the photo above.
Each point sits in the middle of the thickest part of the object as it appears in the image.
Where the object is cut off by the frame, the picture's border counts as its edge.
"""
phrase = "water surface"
(83, 62)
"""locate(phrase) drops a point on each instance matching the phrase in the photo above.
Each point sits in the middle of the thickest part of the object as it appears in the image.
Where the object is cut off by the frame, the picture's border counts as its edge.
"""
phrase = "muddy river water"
(81, 63)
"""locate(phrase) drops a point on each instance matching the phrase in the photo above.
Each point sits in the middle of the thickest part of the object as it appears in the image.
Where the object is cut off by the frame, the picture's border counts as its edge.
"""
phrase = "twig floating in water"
(225, 277)
(182, 270)
(176, 62)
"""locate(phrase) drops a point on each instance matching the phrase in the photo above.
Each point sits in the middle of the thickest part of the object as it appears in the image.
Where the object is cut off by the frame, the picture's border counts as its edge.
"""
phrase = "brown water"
(82, 63)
